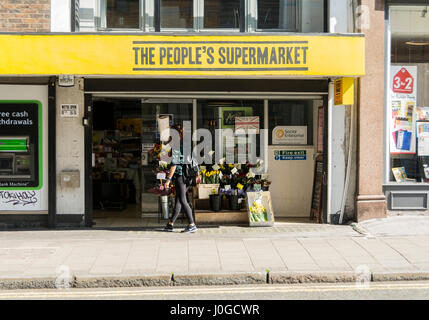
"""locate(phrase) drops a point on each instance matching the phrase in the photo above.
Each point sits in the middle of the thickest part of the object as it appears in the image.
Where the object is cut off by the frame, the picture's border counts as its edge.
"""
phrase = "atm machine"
(16, 160)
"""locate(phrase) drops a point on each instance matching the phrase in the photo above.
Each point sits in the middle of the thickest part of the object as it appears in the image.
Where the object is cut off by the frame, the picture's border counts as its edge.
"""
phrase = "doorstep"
(221, 217)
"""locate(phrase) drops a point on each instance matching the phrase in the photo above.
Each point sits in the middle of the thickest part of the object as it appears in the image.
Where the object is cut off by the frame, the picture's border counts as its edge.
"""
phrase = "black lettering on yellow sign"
(230, 56)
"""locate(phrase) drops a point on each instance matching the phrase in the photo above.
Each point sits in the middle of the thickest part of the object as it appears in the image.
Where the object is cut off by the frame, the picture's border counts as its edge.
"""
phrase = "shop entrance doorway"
(125, 134)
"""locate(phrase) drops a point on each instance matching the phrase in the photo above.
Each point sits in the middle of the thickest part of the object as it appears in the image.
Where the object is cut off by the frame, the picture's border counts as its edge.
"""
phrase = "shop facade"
(406, 112)
(285, 81)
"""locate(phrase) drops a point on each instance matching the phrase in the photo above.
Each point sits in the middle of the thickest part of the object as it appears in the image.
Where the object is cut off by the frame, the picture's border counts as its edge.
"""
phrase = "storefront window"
(277, 14)
(198, 15)
(291, 15)
(221, 14)
(290, 122)
(177, 14)
(125, 133)
(221, 114)
(408, 103)
(124, 14)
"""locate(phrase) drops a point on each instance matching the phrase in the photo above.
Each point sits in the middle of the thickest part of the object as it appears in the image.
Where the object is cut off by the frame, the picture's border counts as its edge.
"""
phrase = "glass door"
(177, 110)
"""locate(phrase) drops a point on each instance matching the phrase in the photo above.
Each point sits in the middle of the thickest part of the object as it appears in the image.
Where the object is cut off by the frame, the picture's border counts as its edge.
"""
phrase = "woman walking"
(176, 174)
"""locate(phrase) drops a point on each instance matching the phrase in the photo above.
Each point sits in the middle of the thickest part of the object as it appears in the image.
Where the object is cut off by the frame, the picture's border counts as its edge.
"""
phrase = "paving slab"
(264, 255)
(203, 256)
(409, 250)
(388, 257)
(325, 256)
(233, 256)
(294, 255)
(173, 256)
(406, 225)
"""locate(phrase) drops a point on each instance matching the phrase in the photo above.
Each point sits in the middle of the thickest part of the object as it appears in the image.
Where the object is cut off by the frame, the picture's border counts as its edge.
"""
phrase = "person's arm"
(169, 176)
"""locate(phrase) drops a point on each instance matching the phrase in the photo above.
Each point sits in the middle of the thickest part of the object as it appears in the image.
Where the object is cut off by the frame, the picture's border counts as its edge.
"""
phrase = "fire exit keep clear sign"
(290, 155)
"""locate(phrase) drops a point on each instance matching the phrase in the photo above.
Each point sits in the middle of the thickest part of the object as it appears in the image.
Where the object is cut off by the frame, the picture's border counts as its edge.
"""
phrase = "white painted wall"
(338, 155)
(40, 93)
(70, 150)
(60, 15)
(292, 181)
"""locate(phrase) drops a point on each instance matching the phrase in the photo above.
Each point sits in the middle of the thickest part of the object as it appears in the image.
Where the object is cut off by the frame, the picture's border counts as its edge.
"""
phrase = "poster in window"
(403, 111)
(320, 130)
(247, 124)
(228, 115)
(290, 135)
(399, 174)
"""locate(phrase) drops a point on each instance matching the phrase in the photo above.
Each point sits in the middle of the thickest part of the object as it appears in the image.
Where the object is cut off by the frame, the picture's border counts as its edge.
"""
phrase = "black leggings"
(181, 201)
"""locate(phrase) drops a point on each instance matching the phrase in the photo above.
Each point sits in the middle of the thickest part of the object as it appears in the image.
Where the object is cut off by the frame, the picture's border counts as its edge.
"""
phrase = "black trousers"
(181, 201)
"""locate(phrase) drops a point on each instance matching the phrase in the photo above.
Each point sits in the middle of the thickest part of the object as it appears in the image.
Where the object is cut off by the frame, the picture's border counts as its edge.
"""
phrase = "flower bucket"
(215, 202)
(164, 207)
(233, 203)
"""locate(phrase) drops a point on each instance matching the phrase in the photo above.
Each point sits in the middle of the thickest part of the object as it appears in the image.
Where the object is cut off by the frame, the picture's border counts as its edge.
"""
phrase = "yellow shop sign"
(100, 54)
(344, 91)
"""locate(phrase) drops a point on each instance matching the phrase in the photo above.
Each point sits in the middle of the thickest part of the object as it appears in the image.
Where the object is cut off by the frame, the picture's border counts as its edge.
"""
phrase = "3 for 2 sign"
(403, 82)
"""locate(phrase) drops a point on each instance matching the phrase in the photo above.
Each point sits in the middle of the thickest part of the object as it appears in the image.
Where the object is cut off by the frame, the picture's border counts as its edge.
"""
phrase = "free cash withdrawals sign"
(160, 55)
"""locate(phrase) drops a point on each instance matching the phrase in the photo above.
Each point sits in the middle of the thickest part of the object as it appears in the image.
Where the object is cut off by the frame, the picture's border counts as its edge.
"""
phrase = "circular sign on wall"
(279, 133)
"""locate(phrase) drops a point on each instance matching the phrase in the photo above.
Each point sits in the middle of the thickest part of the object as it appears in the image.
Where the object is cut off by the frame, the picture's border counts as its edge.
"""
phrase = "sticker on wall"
(69, 111)
(284, 155)
(66, 80)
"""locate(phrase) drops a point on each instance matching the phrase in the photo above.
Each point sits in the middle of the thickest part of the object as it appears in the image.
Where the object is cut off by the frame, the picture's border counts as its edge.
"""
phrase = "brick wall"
(25, 15)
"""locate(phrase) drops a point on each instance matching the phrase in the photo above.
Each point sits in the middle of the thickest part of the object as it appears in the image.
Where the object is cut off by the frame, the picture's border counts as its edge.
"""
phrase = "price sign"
(403, 82)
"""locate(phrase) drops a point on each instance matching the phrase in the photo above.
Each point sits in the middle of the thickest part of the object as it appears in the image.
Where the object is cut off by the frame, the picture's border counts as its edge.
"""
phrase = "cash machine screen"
(20, 144)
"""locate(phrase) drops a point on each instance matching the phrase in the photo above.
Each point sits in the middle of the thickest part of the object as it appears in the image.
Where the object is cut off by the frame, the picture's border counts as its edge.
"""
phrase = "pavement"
(284, 254)
(404, 225)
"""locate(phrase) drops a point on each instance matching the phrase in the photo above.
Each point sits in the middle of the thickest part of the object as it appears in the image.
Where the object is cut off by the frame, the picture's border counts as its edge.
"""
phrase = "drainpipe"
(349, 161)
(352, 131)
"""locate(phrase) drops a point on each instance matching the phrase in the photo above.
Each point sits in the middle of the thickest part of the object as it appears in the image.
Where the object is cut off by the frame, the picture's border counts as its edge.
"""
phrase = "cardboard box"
(204, 190)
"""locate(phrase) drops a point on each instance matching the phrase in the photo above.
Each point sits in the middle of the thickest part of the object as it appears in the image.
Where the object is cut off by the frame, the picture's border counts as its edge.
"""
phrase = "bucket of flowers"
(209, 183)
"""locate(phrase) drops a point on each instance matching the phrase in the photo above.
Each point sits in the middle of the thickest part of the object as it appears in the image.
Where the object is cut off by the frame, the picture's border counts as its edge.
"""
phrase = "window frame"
(102, 22)
(150, 19)
(199, 20)
(195, 19)
(387, 167)
(201, 27)
(298, 12)
(311, 123)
